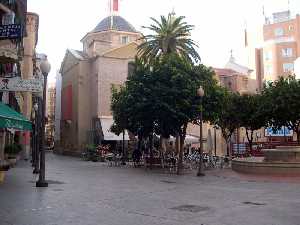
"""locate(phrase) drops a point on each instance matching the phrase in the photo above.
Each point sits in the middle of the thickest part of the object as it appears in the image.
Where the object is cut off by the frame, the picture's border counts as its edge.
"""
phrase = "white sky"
(219, 24)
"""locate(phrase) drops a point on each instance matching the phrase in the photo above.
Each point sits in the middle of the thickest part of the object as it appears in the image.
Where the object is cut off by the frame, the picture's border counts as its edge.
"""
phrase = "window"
(287, 52)
(124, 39)
(288, 67)
(268, 70)
(279, 32)
(291, 28)
(268, 55)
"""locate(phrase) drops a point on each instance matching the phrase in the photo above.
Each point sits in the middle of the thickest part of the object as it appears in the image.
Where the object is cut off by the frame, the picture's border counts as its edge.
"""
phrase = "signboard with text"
(283, 132)
(11, 31)
(18, 84)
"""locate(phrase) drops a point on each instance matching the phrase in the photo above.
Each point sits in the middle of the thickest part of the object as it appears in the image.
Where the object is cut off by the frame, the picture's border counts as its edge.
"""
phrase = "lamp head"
(200, 91)
(45, 66)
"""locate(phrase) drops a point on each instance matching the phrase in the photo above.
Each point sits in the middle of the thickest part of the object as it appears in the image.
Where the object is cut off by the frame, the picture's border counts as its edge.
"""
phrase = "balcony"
(8, 52)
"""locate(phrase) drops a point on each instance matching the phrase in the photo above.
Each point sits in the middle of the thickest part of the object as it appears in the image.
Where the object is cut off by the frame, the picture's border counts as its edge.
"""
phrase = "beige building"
(274, 52)
(87, 78)
(17, 56)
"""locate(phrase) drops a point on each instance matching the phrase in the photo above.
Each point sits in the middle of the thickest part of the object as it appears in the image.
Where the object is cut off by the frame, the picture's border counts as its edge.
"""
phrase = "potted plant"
(12, 150)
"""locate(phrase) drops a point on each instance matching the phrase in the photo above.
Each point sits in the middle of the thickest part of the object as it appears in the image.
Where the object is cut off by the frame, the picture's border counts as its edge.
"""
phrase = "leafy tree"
(282, 104)
(132, 105)
(163, 99)
(169, 35)
(227, 117)
(252, 114)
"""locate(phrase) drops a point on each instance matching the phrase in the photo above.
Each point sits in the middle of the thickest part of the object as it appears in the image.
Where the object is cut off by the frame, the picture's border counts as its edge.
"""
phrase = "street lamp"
(36, 139)
(200, 93)
(45, 68)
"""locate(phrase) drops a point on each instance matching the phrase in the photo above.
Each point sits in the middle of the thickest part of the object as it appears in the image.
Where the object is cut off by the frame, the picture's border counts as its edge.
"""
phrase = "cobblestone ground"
(87, 193)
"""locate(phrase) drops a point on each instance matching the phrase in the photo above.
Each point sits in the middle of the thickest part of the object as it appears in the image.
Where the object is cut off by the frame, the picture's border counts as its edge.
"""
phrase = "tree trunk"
(250, 139)
(298, 136)
(162, 150)
(139, 144)
(228, 141)
(181, 146)
(180, 155)
(151, 150)
(177, 144)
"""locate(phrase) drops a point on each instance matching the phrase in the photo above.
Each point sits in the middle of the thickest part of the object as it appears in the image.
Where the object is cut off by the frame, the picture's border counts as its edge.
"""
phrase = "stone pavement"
(87, 193)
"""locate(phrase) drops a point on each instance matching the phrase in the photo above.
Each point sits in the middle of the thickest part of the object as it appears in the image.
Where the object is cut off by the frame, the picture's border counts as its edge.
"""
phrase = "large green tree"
(169, 35)
(252, 114)
(162, 99)
(227, 116)
(282, 104)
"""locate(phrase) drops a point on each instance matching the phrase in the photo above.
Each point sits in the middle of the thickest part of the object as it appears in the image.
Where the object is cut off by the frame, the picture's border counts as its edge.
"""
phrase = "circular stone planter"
(257, 165)
(284, 160)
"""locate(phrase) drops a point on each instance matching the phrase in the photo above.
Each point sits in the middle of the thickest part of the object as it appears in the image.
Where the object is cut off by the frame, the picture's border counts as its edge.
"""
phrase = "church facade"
(87, 79)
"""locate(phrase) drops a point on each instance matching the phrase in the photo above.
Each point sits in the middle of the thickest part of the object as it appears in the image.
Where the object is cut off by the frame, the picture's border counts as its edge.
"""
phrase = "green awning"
(9, 118)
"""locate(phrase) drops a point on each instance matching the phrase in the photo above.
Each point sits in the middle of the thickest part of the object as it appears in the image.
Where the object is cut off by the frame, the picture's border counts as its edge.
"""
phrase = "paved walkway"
(86, 193)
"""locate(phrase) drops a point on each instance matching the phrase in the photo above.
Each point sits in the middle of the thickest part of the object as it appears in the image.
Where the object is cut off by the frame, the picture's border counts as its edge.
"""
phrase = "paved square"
(87, 193)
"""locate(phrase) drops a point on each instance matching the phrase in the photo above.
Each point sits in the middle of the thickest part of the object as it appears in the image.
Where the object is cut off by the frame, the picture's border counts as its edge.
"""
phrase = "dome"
(119, 24)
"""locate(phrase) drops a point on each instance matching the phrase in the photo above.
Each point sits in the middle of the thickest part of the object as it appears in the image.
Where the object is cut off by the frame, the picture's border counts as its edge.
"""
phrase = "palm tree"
(170, 35)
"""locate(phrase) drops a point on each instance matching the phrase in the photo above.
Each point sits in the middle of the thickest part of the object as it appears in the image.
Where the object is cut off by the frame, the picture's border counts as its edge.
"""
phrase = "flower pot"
(2, 175)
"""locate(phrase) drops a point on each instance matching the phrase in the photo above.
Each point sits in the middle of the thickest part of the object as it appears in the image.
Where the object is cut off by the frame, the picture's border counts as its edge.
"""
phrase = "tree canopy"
(282, 104)
(162, 98)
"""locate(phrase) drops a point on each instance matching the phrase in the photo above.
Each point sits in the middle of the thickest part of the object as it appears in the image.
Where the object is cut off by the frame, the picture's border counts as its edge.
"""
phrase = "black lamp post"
(35, 153)
(200, 93)
(45, 68)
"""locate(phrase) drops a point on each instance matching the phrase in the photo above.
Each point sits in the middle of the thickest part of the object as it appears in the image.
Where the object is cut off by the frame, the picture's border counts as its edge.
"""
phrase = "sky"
(219, 24)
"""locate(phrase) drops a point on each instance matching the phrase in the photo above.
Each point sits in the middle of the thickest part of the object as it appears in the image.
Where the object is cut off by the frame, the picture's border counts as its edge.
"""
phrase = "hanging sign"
(18, 84)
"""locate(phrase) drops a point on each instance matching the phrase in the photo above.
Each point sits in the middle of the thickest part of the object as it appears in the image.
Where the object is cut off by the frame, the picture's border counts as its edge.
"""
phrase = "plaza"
(87, 193)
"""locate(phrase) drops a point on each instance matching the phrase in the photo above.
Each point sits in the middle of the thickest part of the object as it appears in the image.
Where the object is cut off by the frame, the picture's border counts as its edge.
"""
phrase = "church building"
(87, 79)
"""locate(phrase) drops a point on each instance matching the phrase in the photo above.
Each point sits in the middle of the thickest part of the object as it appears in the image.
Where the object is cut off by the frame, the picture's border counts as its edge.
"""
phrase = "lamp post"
(36, 139)
(45, 68)
(200, 93)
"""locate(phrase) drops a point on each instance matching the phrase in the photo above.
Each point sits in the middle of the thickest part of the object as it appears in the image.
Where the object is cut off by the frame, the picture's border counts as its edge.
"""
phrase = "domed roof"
(119, 24)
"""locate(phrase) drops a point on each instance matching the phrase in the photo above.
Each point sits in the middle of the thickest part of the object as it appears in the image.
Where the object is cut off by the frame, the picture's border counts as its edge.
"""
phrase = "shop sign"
(18, 84)
(10, 31)
(283, 132)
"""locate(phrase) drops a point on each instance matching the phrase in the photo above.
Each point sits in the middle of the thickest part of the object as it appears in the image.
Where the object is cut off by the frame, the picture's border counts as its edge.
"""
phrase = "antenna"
(111, 14)
(264, 15)
(246, 33)
(173, 8)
